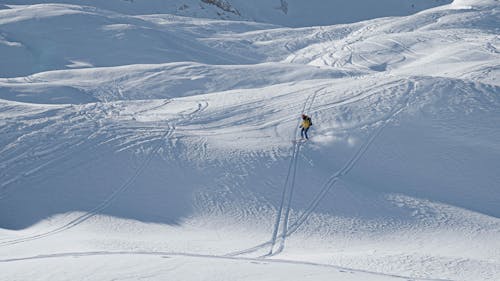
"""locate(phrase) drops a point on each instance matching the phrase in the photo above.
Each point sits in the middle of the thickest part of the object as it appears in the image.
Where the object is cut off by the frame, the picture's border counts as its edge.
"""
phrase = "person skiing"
(305, 125)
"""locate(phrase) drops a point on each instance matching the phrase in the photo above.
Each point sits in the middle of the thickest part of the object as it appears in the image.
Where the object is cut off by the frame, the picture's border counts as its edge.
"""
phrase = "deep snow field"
(159, 144)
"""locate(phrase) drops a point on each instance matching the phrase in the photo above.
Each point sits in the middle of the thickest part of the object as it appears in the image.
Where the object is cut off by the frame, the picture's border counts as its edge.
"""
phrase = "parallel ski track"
(329, 183)
(104, 204)
(206, 256)
(292, 188)
(83, 145)
(288, 191)
(286, 231)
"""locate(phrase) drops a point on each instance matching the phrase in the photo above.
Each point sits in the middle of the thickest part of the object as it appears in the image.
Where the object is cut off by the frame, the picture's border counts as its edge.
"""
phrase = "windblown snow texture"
(143, 140)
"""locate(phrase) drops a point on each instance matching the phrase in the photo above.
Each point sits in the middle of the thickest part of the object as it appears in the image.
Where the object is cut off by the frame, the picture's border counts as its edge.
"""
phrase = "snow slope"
(145, 146)
(294, 13)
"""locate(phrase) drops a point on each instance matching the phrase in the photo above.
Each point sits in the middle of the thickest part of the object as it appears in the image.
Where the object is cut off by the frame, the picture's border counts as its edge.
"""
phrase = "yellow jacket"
(306, 123)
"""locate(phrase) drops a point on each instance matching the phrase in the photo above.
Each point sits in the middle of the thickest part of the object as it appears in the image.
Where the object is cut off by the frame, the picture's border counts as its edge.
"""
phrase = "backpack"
(309, 119)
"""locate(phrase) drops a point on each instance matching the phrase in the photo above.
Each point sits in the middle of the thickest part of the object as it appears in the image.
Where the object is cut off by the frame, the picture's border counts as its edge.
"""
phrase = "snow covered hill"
(282, 12)
(156, 143)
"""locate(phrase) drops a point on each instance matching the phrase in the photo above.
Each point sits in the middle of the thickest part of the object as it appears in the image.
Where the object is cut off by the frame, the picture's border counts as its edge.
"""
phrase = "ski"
(299, 140)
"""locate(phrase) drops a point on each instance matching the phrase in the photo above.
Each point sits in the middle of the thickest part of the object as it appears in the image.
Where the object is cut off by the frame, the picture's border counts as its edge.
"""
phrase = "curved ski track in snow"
(159, 253)
(103, 205)
(358, 78)
(293, 162)
(107, 201)
(327, 186)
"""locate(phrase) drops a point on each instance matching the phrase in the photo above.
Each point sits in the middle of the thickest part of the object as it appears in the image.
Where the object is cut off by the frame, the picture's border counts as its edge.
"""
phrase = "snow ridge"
(140, 137)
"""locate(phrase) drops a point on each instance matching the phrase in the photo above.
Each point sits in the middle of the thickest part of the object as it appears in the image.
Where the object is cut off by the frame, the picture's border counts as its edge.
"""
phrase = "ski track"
(350, 164)
(104, 204)
(319, 49)
(206, 256)
(327, 186)
(287, 194)
(67, 150)
(167, 101)
(82, 145)
(293, 163)
(290, 196)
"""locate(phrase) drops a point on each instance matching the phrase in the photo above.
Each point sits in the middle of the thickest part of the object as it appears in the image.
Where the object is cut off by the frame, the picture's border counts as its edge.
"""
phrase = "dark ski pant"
(304, 132)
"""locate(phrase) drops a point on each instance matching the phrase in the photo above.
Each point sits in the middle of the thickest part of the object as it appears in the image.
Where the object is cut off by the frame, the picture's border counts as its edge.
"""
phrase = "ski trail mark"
(165, 102)
(289, 203)
(349, 165)
(287, 193)
(283, 198)
(330, 182)
(206, 256)
(103, 205)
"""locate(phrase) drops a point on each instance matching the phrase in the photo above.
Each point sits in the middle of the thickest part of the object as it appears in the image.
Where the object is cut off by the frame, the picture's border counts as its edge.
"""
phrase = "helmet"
(304, 116)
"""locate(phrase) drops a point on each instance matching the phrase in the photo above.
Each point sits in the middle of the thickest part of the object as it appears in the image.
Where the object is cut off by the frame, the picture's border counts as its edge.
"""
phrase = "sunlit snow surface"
(160, 147)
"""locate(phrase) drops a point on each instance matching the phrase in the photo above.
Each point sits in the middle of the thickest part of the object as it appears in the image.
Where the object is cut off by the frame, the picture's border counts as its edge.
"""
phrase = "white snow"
(142, 141)
(294, 13)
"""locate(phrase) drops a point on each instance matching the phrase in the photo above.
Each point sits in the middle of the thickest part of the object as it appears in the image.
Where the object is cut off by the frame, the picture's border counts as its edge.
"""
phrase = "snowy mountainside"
(142, 145)
(282, 12)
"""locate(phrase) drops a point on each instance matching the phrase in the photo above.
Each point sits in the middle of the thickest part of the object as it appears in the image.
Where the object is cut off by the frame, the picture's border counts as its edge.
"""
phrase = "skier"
(305, 125)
